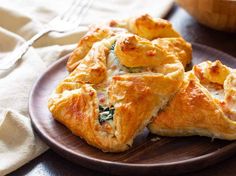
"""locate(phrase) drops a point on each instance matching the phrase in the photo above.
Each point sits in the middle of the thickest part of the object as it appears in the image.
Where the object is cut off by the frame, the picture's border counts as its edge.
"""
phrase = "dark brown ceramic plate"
(148, 156)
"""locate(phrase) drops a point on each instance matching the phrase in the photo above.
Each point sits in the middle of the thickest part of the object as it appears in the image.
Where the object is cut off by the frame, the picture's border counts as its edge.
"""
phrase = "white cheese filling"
(216, 92)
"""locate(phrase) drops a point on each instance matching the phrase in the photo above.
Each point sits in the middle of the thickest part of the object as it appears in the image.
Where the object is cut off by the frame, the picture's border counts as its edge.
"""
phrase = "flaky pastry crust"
(94, 35)
(204, 105)
(118, 82)
(144, 26)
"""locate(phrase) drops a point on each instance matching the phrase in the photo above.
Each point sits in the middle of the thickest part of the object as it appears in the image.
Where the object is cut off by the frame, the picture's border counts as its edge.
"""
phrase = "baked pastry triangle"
(121, 76)
(95, 34)
(144, 26)
(115, 90)
(147, 27)
(205, 104)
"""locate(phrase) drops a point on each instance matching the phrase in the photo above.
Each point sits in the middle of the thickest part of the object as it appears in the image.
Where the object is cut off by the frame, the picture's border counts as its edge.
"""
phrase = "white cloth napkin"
(19, 21)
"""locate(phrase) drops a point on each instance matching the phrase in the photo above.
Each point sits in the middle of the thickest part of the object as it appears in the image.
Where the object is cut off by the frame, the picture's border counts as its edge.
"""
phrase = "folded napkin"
(19, 21)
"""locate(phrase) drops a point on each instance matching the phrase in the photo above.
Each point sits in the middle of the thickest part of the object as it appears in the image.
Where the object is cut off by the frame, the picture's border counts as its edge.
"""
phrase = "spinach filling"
(122, 67)
(105, 113)
(113, 47)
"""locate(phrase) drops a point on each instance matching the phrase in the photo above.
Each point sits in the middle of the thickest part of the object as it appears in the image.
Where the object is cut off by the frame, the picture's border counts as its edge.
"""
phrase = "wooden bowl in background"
(217, 14)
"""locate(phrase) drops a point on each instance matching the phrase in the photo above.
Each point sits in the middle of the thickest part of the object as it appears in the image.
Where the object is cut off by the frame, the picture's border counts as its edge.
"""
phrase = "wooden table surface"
(51, 163)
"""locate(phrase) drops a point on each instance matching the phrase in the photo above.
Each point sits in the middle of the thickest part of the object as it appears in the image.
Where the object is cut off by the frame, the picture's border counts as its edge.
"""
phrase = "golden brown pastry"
(94, 35)
(161, 32)
(205, 105)
(177, 46)
(115, 90)
(144, 26)
(147, 27)
(121, 76)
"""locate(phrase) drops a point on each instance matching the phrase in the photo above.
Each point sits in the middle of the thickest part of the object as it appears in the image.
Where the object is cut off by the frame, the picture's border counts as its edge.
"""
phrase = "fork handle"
(11, 59)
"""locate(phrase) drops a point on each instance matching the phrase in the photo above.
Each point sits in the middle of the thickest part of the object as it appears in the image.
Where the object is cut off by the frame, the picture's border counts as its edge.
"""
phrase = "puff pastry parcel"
(120, 78)
(157, 30)
(205, 105)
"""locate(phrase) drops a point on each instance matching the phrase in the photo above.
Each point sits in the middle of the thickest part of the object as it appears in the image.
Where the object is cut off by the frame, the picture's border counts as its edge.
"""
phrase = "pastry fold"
(114, 92)
(158, 30)
(205, 104)
(147, 27)
(120, 77)
(95, 34)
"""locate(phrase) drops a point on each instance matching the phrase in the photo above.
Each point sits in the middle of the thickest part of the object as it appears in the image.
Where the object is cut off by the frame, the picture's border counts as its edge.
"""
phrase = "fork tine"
(71, 10)
(76, 18)
(68, 9)
(77, 9)
(83, 12)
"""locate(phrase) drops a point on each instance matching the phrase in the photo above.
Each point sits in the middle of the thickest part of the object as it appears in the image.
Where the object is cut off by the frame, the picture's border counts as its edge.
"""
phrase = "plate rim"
(70, 154)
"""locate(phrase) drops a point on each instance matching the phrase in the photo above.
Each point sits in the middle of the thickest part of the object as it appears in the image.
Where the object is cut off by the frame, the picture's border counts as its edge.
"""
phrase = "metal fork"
(69, 20)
